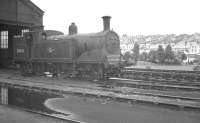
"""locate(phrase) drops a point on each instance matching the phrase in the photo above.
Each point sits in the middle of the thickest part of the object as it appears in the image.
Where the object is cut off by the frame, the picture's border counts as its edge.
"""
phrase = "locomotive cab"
(23, 50)
(23, 45)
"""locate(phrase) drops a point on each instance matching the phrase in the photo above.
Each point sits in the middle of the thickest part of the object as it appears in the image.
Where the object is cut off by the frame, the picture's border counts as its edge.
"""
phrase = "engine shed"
(16, 17)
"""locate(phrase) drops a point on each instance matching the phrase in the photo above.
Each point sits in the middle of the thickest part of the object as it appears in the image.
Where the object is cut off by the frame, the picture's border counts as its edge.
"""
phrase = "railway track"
(192, 76)
(153, 84)
(149, 85)
(162, 70)
(169, 82)
(117, 91)
(158, 97)
(118, 82)
(163, 95)
(149, 78)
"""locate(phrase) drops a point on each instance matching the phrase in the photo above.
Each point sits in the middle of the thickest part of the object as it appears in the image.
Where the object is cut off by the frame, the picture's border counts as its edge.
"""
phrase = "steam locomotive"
(91, 56)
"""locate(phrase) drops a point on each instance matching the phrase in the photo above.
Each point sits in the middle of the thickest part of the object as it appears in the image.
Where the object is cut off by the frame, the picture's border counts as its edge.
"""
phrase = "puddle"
(27, 99)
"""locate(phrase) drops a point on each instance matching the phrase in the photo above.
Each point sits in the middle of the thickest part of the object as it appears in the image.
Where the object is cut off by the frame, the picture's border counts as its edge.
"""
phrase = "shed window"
(4, 39)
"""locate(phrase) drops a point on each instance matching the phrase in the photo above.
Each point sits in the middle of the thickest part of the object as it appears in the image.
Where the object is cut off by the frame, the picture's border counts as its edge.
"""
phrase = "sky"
(132, 17)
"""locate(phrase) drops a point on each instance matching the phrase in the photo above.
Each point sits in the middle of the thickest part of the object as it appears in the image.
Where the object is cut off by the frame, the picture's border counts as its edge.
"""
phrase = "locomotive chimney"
(106, 23)
(73, 29)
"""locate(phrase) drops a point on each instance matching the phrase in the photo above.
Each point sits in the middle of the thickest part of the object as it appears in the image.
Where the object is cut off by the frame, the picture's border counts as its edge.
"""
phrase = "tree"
(183, 56)
(144, 56)
(152, 56)
(169, 54)
(127, 56)
(136, 51)
(160, 54)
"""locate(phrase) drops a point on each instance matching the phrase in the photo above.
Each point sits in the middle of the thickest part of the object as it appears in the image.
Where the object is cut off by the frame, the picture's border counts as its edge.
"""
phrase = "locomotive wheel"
(100, 74)
(26, 69)
(38, 69)
(92, 75)
(87, 72)
(35, 69)
(83, 75)
(22, 69)
(56, 70)
(87, 75)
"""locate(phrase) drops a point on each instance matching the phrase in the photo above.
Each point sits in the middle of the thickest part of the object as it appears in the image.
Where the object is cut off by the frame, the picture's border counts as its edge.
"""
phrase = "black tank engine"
(91, 56)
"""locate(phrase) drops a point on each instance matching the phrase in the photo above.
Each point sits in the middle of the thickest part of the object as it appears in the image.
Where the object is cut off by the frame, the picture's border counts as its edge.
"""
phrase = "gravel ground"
(13, 115)
(100, 111)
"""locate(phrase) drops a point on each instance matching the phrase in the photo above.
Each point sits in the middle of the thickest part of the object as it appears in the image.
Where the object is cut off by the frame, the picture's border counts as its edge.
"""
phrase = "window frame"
(4, 39)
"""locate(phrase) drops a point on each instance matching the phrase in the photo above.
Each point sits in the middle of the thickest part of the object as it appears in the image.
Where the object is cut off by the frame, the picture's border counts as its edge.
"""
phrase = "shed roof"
(33, 6)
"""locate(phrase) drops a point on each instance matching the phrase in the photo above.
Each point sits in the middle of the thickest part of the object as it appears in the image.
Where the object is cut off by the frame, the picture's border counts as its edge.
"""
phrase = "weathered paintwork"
(95, 54)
